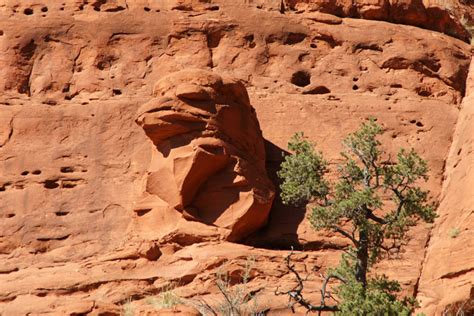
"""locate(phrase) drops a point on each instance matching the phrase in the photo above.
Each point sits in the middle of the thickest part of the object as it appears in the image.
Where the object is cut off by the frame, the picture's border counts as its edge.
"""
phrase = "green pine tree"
(356, 206)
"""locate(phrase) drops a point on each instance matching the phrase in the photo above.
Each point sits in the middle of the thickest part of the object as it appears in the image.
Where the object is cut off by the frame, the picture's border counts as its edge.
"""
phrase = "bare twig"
(296, 297)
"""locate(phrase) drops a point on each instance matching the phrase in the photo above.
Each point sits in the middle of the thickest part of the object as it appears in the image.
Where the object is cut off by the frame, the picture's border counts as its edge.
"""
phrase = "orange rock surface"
(210, 155)
(131, 157)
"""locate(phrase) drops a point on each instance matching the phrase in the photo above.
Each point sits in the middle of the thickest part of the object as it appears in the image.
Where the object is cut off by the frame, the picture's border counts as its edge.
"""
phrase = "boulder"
(210, 157)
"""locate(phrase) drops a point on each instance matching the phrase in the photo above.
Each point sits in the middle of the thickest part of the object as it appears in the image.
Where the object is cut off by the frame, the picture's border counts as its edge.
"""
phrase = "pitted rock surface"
(86, 226)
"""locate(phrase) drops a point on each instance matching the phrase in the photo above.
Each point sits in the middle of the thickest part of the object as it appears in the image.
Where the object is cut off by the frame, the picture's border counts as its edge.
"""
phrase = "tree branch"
(346, 234)
(296, 296)
(375, 218)
(222, 289)
(325, 283)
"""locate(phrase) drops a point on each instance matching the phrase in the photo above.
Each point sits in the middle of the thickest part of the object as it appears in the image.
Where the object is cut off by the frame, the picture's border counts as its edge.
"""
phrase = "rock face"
(448, 270)
(210, 163)
(428, 14)
(100, 214)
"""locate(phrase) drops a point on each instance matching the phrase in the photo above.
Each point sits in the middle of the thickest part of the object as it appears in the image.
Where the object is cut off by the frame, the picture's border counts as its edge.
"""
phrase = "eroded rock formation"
(210, 164)
(432, 15)
(77, 234)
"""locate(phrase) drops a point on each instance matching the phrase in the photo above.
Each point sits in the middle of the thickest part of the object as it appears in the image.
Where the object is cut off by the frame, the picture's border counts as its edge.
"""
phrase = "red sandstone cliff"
(90, 217)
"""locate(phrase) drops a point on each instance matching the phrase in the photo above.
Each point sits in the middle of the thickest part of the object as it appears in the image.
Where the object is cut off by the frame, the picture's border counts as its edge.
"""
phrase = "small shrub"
(166, 299)
(237, 298)
(469, 27)
(462, 308)
(454, 232)
(128, 309)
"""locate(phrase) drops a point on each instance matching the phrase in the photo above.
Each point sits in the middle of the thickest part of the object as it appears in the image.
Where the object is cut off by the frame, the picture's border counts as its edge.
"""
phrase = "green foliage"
(307, 182)
(373, 203)
(379, 297)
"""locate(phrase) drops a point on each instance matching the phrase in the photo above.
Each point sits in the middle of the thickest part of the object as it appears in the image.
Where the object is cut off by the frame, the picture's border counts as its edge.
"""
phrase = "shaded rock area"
(120, 175)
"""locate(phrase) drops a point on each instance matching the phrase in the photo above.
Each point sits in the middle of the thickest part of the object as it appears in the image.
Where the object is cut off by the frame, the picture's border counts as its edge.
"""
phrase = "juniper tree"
(372, 204)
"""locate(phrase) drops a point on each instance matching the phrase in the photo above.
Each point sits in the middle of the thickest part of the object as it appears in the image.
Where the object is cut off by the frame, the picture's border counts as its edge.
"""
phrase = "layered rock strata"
(76, 235)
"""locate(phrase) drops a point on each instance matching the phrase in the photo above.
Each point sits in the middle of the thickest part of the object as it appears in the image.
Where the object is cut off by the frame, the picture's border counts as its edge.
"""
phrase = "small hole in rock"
(147, 9)
(294, 38)
(312, 45)
(68, 185)
(67, 169)
(62, 9)
(355, 79)
(61, 213)
(142, 212)
(355, 87)
(117, 92)
(412, 121)
(317, 90)
(10, 215)
(28, 11)
(24, 173)
(81, 7)
(1, 32)
(36, 172)
(50, 102)
(419, 124)
(44, 9)
(51, 184)
(424, 93)
(301, 78)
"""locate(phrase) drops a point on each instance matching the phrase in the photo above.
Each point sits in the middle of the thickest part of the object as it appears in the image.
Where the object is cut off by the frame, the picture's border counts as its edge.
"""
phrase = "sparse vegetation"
(469, 26)
(463, 308)
(166, 299)
(454, 232)
(236, 300)
(128, 309)
(372, 204)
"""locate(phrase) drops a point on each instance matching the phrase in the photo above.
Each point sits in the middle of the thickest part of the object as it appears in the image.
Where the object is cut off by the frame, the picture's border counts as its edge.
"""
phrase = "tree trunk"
(362, 258)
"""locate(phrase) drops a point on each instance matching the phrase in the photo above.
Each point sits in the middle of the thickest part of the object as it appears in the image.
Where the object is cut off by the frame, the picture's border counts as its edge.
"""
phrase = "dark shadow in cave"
(283, 222)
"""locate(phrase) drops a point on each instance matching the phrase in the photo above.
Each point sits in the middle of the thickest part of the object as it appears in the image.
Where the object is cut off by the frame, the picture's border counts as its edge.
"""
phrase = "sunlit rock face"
(210, 158)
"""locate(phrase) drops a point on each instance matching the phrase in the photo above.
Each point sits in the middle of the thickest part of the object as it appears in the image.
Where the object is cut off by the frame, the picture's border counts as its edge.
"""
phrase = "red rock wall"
(448, 270)
(432, 15)
(74, 164)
